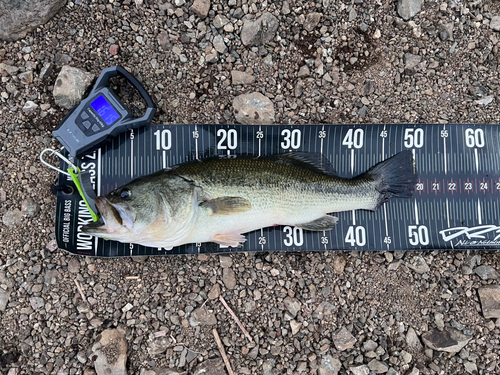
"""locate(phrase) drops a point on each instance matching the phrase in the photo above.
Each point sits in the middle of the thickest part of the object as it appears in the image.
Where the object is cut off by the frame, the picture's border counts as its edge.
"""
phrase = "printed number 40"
(418, 235)
(356, 236)
(354, 138)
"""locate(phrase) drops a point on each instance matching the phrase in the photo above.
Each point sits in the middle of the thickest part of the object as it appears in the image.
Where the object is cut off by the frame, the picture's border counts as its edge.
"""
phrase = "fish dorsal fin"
(315, 161)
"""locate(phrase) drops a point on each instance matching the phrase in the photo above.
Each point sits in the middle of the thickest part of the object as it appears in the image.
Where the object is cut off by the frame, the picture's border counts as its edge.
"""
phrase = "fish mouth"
(108, 214)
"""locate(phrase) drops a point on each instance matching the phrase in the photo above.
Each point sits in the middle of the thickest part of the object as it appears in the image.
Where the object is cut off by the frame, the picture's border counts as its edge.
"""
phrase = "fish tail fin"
(394, 178)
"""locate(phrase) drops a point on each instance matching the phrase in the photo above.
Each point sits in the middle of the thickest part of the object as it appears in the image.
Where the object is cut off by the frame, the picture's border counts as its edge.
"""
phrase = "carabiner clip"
(80, 179)
(60, 156)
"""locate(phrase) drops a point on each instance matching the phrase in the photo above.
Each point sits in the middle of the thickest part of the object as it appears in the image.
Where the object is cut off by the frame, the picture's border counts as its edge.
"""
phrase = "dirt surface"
(365, 65)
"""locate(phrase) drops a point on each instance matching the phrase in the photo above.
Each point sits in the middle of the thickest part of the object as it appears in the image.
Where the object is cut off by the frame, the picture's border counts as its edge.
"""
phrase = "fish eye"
(125, 194)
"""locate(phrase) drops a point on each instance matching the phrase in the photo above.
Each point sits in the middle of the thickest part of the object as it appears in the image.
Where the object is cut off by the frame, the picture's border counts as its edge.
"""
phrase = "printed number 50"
(418, 235)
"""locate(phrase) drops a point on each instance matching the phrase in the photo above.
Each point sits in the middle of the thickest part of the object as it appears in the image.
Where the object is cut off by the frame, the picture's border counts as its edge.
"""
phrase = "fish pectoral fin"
(326, 222)
(227, 205)
(229, 239)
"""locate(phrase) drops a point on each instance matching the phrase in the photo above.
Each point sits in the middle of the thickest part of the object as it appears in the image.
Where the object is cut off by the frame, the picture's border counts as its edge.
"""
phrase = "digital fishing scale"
(456, 204)
(101, 116)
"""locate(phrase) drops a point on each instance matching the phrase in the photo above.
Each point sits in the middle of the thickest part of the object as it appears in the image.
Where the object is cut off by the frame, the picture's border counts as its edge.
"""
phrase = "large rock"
(490, 301)
(202, 316)
(229, 278)
(158, 346)
(323, 310)
(109, 353)
(162, 371)
(241, 78)
(8, 70)
(495, 23)
(419, 265)
(312, 21)
(486, 272)
(254, 108)
(12, 218)
(412, 340)
(4, 298)
(329, 366)
(343, 339)
(70, 86)
(409, 8)
(449, 340)
(292, 305)
(377, 366)
(201, 8)
(360, 370)
(260, 31)
(210, 367)
(19, 17)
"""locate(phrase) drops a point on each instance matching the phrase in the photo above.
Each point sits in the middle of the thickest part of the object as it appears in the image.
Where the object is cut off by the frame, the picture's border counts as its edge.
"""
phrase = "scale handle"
(114, 71)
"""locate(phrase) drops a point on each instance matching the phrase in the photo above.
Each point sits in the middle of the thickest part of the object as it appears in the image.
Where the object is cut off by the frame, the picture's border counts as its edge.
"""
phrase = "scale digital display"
(105, 110)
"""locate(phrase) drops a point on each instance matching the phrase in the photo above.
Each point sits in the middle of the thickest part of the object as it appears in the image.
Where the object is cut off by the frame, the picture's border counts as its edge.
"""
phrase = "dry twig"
(245, 332)
(132, 277)
(80, 290)
(222, 352)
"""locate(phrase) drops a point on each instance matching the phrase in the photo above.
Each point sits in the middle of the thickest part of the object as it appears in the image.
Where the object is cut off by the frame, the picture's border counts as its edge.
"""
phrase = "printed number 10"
(163, 139)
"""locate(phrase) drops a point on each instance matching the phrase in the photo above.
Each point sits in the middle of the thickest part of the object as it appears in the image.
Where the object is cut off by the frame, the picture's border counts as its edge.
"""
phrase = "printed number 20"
(229, 139)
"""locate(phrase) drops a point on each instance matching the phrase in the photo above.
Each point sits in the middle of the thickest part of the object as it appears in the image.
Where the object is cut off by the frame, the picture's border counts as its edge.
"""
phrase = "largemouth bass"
(219, 199)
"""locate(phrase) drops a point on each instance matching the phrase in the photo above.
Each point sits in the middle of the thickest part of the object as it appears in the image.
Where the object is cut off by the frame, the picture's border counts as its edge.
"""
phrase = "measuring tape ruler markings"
(442, 153)
(221, 133)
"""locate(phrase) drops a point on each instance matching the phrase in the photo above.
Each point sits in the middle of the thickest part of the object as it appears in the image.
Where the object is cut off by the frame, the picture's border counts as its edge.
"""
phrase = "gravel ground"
(331, 61)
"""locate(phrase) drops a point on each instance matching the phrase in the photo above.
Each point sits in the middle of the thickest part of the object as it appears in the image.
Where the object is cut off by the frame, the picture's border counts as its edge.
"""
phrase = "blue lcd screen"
(105, 110)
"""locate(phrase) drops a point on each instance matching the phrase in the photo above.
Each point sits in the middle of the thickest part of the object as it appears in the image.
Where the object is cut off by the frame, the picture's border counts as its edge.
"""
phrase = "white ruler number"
(163, 139)
(291, 138)
(294, 236)
(356, 236)
(418, 235)
(474, 138)
(414, 137)
(228, 140)
(354, 138)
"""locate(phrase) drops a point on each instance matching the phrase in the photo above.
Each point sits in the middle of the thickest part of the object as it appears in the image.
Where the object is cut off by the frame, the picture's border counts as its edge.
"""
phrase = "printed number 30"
(290, 139)
(294, 236)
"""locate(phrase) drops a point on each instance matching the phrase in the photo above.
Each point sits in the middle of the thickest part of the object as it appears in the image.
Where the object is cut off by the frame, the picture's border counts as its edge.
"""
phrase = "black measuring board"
(456, 204)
